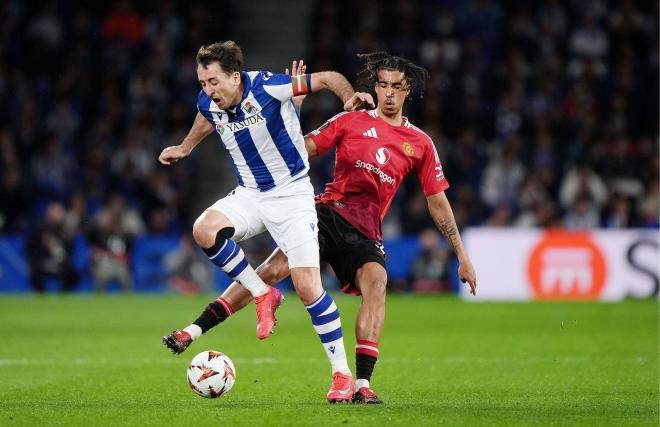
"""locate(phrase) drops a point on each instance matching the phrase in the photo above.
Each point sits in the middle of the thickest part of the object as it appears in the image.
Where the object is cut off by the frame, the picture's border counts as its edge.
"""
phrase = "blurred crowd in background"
(544, 113)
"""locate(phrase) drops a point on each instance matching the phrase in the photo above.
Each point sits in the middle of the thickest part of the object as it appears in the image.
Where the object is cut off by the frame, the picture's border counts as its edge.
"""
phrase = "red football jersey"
(373, 157)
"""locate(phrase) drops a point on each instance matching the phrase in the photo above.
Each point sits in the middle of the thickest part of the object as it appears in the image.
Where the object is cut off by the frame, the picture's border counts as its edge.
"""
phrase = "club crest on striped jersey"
(249, 108)
(219, 128)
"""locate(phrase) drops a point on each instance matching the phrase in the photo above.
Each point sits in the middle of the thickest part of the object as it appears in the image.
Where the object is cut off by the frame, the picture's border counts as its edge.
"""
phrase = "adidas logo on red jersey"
(371, 133)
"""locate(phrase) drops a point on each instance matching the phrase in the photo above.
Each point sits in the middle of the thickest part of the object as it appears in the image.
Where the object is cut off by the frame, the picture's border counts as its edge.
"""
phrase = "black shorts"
(345, 248)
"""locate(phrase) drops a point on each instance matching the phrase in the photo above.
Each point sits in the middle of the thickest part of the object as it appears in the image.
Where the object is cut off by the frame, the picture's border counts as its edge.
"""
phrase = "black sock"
(213, 314)
(364, 366)
(366, 355)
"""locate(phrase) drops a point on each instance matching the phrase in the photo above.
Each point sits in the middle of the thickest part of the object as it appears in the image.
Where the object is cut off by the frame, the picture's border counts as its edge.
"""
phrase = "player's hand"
(357, 100)
(297, 68)
(467, 274)
(173, 154)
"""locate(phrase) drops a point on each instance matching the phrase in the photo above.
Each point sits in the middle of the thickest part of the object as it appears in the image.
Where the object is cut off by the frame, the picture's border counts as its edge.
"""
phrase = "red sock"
(228, 307)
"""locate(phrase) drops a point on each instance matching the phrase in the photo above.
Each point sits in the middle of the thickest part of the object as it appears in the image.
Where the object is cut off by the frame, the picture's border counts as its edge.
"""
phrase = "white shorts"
(287, 212)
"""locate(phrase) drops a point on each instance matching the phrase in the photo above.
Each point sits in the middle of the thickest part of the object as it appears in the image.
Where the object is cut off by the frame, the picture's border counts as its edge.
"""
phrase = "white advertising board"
(524, 264)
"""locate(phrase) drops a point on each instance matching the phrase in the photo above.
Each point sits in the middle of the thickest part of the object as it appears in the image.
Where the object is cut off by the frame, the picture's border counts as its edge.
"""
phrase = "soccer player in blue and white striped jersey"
(259, 126)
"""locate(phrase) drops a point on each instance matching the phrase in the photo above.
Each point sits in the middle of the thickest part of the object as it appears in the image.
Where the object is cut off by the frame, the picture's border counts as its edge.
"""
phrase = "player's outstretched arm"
(200, 129)
(337, 84)
(443, 217)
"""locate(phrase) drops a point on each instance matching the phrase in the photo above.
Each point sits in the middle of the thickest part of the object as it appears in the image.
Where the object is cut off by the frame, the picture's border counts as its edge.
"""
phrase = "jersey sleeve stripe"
(435, 150)
(203, 106)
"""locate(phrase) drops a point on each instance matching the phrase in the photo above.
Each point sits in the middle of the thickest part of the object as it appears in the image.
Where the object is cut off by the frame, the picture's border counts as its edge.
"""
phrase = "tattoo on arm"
(448, 229)
(446, 223)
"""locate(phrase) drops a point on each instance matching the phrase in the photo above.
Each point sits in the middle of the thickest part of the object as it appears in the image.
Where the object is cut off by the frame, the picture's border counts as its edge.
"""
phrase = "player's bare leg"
(326, 321)
(213, 232)
(307, 281)
(372, 281)
(321, 307)
(234, 298)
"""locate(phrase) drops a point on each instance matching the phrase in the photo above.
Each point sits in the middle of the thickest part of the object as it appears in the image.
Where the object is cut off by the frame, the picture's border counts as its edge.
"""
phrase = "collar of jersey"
(247, 85)
(404, 120)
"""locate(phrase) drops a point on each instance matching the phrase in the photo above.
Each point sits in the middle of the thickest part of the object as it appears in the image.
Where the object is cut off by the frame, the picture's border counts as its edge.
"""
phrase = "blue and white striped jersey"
(262, 133)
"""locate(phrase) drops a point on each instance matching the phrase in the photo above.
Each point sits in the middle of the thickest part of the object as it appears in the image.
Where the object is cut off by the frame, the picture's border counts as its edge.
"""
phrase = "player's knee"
(304, 286)
(372, 282)
(307, 282)
(203, 233)
(207, 229)
(375, 291)
(209, 239)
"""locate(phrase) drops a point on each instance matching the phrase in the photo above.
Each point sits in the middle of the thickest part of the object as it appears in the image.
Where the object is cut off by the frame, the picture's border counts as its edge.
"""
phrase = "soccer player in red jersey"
(375, 151)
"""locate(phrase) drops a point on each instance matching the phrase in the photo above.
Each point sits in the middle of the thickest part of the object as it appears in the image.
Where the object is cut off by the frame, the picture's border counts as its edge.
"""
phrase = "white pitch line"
(289, 360)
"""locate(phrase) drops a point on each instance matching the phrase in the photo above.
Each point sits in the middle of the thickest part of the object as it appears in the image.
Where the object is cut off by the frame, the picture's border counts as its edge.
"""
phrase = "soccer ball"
(211, 374)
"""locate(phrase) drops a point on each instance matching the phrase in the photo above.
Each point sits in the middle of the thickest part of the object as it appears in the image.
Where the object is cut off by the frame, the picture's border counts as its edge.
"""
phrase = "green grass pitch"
(97, 361)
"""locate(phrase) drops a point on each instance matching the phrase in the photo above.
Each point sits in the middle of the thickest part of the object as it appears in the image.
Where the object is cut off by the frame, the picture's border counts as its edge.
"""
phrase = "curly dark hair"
(228, 54)
(415, 75)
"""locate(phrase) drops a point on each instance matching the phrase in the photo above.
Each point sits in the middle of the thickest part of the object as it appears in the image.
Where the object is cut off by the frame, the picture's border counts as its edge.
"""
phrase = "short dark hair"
(416, 76)
(228, 54)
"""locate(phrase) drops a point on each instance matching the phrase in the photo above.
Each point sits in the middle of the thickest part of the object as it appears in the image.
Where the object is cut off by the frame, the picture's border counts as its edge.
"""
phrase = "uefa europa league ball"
(211, 374)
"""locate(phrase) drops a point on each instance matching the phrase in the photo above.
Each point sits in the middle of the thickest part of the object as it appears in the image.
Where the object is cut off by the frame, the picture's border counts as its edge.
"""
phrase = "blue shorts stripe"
(322, 320)
(331, 336)
(238, 269)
